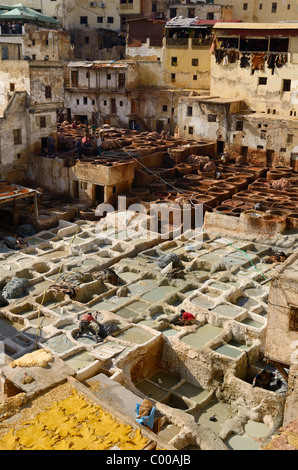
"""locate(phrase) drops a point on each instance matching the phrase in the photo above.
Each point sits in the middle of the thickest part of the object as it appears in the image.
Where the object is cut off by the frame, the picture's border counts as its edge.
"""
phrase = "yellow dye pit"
(73, 424)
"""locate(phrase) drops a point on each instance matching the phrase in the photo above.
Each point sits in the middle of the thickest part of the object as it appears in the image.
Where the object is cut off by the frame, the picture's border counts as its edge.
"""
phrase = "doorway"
(220, 146)
(98, 194)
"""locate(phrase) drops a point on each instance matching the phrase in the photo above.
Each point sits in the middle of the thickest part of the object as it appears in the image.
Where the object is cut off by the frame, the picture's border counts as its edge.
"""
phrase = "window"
(195, 62)
(244, 6)
(110, 19)
(121, 80)
(194, 77)
(85, 100)
(261, 6)
(263, 134)
(173, 12)
(105, 103)
(17, 136)
(78, 101)
(293, 319)
(93, 102)
(86, 39)
(42, 122)
(108, 76)
(191, 13)
(210, 16)
(288, 6)
(212, 117)
(12, 86)
(121, 103)
(262, 80)
(274, 7)
(174, 62)
(48, 92)
(84, 19)
(190, 130)
(87, 75)
(189, 110)
(74, 78)
(173, 76)
(286, 85)
(239, 125)
(289, 138)
(100, 19)
(164, 108)
(154, 7)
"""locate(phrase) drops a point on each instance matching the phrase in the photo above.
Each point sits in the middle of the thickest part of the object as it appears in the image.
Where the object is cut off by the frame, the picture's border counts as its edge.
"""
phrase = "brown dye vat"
(278, 212)
(276, 175)
(219, 194)
(292, 221)
(274, 224)
(206, 200)
(226, 187)
(183, 169)
(206, 174)
(253, 218)
(192, 178)
(225, 209)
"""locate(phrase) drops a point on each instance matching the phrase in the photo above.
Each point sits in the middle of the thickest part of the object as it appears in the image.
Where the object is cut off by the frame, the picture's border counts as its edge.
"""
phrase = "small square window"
(244, 6)
(174, 61)
(263, 134)
(104, 103)
(86, 39)
(110, 19)
(42, 122)
(84, 19)
(93, 102)
(189, 110)
(212, 117)
(78, 101)
(190, 130)
(286, 85)
(289, 138)
(262, 80)
(17, 136)
(288, 6)
(194, 77)
(121, 103)
(274, 7)
(164, 108)
(85, 100)
(108, 76)
(12, 86)
(261, 6)
(48, 92)
(173, 76)
(195, 62)
(239, 125)
(293, 319)
(100, 19)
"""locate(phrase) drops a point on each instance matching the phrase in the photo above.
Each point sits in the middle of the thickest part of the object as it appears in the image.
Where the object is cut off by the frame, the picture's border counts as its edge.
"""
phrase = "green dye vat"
(254, 292)
(221, 411)
(219, 285)
(79, 361)
(203, 335)
(142, 286)
(168, 331)
(157, 294)
(168, 431)
(226, 350)
(9, 329)
(40, 288)
(42, 321)
(201, 302)
(151, 390)
(227, 310)
(165, 380)
(135, 335)
(255, 429)
(238, 345)
(59, 343)
(192, 392)
(139, 306)
(129, 276)
(236, 442)
(250, 322)
(176, 402)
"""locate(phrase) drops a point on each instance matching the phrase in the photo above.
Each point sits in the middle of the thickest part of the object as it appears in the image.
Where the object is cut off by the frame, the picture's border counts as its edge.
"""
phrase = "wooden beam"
(280, 369)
